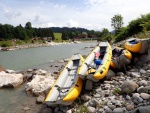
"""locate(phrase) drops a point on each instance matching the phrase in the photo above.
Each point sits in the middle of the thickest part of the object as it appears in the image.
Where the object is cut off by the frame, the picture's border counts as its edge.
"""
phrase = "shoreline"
(12, 48)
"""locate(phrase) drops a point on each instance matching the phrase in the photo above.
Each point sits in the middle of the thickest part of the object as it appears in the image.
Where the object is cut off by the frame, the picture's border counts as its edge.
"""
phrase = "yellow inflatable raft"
(88, 70)
(137, 45)
(68, 85)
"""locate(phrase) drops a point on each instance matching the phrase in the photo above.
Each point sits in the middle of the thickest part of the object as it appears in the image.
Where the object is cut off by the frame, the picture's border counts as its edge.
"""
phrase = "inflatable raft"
(120, 58)
(88, 69)
(138, 45)
(68, 85)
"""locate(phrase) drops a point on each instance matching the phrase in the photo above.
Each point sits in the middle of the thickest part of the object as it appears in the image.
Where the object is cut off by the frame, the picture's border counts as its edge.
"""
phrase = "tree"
(117, 23)
(28, 25)
(20, 33)
(29, 30)
(64, 35)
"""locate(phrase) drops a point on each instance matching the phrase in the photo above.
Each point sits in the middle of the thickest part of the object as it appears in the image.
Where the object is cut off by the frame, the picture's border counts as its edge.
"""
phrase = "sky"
(89, 14)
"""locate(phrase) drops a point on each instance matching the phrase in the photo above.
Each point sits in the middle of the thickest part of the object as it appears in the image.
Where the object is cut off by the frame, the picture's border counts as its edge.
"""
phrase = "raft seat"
(69, 82)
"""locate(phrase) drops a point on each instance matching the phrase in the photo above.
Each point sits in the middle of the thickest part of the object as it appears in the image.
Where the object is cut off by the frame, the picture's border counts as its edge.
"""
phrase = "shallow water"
(14, 100)
(27, 58)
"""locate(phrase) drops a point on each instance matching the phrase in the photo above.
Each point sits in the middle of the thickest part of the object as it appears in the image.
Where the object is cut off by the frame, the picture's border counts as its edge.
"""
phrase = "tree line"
(141, 24)
(8, 32)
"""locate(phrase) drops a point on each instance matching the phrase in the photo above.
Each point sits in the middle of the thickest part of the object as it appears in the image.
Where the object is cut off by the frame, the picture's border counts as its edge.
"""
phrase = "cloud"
(9, 13)
(37, 18)
(90, 14)
(72, 23)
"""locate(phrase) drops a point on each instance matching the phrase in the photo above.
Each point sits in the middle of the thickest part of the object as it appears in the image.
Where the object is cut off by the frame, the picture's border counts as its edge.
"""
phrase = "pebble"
(26, 108)
(118, 110)
(145, 96)
(130, 107)
(139, 99)
(107, 109)
(91, 109)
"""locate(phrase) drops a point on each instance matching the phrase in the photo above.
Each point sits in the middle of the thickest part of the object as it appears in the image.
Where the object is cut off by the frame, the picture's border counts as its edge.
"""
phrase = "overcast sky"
(89, 14)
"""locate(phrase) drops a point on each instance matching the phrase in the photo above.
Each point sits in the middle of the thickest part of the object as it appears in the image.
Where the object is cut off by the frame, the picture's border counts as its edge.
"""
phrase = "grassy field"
(57, 37)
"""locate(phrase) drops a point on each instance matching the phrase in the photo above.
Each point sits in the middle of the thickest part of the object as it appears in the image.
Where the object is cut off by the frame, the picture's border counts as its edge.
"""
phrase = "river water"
(11, 100)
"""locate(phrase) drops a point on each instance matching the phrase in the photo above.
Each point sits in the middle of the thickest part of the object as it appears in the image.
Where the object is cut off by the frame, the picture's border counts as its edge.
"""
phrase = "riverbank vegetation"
(139, 27)
(13, 36)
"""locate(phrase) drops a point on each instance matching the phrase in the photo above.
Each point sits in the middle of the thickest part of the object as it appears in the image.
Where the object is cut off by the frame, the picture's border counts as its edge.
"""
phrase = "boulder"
(142, 109)
(140, 60)
(89, 85)
(40, 84)
(10, 80)
(129, 87)
(110, 74)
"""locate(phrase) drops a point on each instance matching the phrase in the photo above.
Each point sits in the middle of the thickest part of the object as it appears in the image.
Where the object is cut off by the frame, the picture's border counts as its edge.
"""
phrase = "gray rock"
(142, 109)
(148, 87)
(110, 74)
(130, 107)
(143, 89)
(142, 83)
(142, 71)
(10, 71)
(135, 74)
(61, 61)
(135, 95)
(139, 99)
(85, 98)
(40, 84)
(111, 106)
(26, 108)
(40, 99)
(135, 101)
(107, 109)
(93, 102)
(10, 80)
(118, 110)
(148, 71)
(128, 97)
(97, 95)
(56, 110)
(91, 109)
(47, 110)
(107, 86)
(145, 96)
(89, 85)
(69, 111)
(101, 110)
(117, 103)
(129, 87)
(120, 74)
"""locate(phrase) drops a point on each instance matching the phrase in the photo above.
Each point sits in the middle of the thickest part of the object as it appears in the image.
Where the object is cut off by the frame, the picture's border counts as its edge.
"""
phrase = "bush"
(81, 109)
(5, 44)
(122, 35)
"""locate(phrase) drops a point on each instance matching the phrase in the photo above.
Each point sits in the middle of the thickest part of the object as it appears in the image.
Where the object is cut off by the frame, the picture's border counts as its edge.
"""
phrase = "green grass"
(5, 43)
(57, 37)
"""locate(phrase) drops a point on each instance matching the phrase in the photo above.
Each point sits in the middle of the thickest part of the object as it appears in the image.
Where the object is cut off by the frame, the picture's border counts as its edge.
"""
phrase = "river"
(12, 100)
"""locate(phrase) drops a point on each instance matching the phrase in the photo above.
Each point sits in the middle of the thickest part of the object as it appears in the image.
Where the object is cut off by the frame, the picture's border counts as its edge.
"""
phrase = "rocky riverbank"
(118, 92)
(126, 91)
